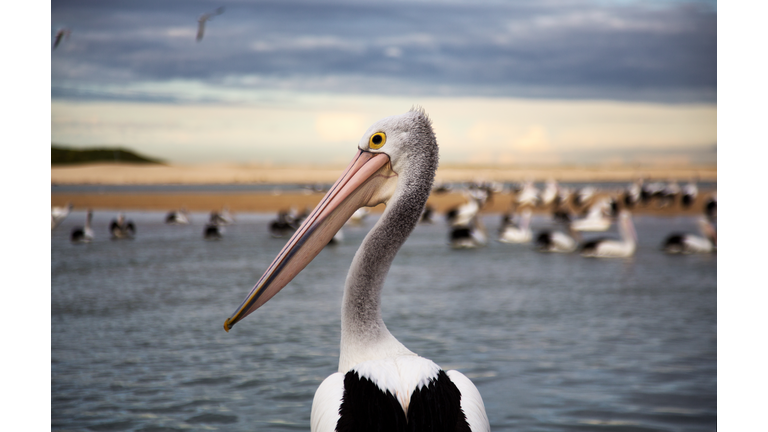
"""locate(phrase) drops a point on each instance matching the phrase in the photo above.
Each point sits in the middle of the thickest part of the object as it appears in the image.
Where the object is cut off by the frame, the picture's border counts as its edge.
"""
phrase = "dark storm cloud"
(664, 51)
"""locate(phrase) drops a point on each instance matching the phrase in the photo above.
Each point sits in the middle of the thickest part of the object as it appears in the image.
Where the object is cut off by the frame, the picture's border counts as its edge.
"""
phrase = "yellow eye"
(377, 140)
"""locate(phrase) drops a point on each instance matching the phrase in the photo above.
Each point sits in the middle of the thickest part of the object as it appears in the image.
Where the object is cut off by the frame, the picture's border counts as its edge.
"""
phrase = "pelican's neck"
(364, 336)
(627, 230)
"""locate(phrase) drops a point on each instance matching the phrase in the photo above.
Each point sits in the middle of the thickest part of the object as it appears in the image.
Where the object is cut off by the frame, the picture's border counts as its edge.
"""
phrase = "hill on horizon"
(61, 155)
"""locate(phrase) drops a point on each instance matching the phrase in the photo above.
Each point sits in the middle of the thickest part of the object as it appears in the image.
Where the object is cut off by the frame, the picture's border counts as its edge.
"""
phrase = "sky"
(505, 82)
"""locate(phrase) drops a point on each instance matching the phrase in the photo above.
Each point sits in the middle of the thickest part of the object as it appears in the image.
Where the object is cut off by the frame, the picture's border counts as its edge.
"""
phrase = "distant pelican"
(122, 229)
(213, 231)
(529, 195)
(632, 194)
(83, 234)
(511, 232)
(287, 222)
(466, 229)
(597, 218)
(177, 217)
(58, 214)
(710, 207)
(648, 191)
(690, 192)
(226, 217)
(558, 241)
(583, 196)
(463, 214)
(669, 194)
(608, 248)
(205, 18)
(679, 243)
(469, 236)
(550, 192)
(380, 384)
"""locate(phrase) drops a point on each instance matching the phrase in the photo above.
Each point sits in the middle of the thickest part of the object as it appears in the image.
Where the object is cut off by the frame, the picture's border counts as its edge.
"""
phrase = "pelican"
(558, 241)
(213, 231)
(632, 193)
(121, 229)
(529, 195)
(669, 194)
(608, 248)
(220, 219)
(58, 214)
(584, 195)
(226, 217)
(678, 243)
(467, 230)
(205, 18)
(510, 232)
(177, 217)
(84, 234)
(469, 236)
(287, 222)
(690, 192)
(710, 207)
(380, 384)
(550, 192)
(597, 218)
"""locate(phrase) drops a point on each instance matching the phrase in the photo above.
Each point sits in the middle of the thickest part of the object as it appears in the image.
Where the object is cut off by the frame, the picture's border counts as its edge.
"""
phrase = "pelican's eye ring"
(377, 140)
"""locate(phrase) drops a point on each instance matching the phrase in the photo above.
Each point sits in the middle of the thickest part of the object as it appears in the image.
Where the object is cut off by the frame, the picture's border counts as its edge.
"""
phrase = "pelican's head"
(394, 154)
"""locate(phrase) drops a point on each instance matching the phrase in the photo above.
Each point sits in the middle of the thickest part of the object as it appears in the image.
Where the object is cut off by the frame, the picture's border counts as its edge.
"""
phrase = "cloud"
(582, 49)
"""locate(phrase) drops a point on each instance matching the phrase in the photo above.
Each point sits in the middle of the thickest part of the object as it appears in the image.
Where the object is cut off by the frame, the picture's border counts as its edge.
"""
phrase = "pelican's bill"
(365, 182)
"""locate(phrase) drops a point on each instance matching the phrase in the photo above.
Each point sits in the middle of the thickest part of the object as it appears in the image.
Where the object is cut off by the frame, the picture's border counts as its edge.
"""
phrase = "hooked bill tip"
(227, 325)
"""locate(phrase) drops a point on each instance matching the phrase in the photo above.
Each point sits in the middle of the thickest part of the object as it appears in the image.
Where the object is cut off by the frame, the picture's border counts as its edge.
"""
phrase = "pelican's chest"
(392, 393)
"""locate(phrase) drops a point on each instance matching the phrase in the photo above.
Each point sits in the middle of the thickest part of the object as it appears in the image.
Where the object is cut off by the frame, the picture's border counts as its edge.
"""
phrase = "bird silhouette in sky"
(206, 17)
(61, 34)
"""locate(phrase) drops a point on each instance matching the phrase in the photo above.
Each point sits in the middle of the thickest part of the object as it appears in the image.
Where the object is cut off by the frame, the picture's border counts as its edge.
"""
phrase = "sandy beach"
(116, 173)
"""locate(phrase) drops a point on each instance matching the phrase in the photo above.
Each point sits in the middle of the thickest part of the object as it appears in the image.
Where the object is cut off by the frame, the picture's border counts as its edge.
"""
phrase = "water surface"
(553, 342)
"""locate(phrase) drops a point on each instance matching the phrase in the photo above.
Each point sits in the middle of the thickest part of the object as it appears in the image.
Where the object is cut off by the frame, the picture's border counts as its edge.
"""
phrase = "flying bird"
(61, 34)
(206, 17)
(380, 384)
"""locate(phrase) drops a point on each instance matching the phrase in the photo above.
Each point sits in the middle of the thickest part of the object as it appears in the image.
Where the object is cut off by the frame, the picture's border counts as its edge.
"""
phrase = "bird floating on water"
(380, 384)
(597, 218)
(121, 228)
(177, 217)
(205, 18)
(83, 234)
(683, 243)
(610, 248)
(520, 232)
(58, 214)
